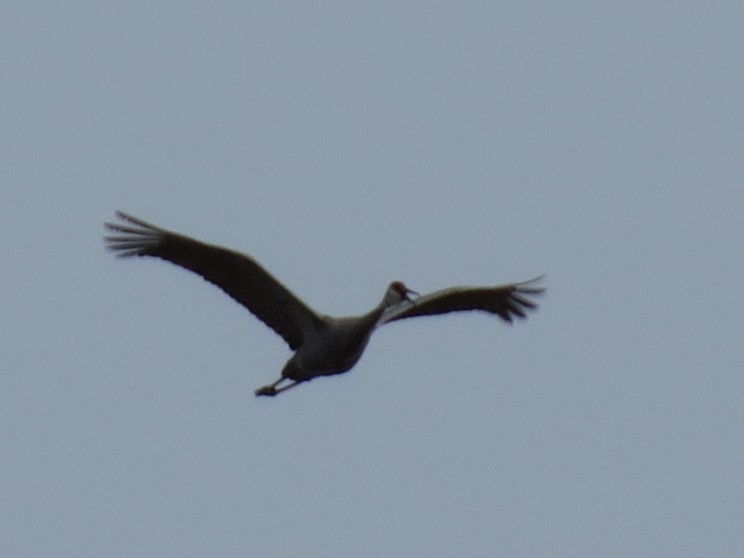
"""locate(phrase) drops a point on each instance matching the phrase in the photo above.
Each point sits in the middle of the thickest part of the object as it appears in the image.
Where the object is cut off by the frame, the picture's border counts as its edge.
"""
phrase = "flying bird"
(322, 345)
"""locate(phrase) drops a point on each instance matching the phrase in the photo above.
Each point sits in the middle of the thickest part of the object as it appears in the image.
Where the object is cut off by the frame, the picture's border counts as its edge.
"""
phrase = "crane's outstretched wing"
(238, 275)
(507, 301)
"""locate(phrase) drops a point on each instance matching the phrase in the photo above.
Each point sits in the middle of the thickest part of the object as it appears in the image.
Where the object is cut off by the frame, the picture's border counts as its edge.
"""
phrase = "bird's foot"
(269, 391)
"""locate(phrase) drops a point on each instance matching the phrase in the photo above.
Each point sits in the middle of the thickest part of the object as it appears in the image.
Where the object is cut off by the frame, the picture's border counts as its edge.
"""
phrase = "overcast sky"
(345, 145)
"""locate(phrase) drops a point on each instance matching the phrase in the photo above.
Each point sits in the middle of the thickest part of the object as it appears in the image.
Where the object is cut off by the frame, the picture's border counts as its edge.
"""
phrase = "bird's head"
(398, 292)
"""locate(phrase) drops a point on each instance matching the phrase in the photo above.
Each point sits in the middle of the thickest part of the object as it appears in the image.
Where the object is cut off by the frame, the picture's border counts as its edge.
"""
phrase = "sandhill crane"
(323, 345)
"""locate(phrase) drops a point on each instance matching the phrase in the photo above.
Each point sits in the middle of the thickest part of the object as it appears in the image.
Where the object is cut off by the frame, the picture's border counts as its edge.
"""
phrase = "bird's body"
(333, 348)
(323, 345)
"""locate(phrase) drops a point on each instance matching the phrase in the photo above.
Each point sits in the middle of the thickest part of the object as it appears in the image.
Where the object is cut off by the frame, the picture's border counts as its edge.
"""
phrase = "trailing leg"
(272, 389)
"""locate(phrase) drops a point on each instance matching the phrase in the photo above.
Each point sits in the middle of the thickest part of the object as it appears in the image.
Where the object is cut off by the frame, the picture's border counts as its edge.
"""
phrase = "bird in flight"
(322, 345)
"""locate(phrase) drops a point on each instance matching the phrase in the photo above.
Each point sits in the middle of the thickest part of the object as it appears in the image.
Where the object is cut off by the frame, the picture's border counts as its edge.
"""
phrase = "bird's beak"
(411, 292)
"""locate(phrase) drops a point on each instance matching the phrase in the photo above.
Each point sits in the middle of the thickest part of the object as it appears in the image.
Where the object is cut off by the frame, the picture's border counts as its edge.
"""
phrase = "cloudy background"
(345, 145)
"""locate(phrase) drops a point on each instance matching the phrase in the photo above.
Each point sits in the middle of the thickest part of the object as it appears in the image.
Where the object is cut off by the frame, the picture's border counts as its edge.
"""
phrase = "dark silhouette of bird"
(322, 345)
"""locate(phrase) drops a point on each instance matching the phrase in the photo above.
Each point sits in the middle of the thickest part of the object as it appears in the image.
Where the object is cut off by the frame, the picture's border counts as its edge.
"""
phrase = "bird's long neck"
(390, 299)
(367, 322)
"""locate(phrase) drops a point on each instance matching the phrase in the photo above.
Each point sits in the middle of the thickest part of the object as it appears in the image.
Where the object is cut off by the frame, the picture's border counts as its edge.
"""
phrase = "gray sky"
(345, 146)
